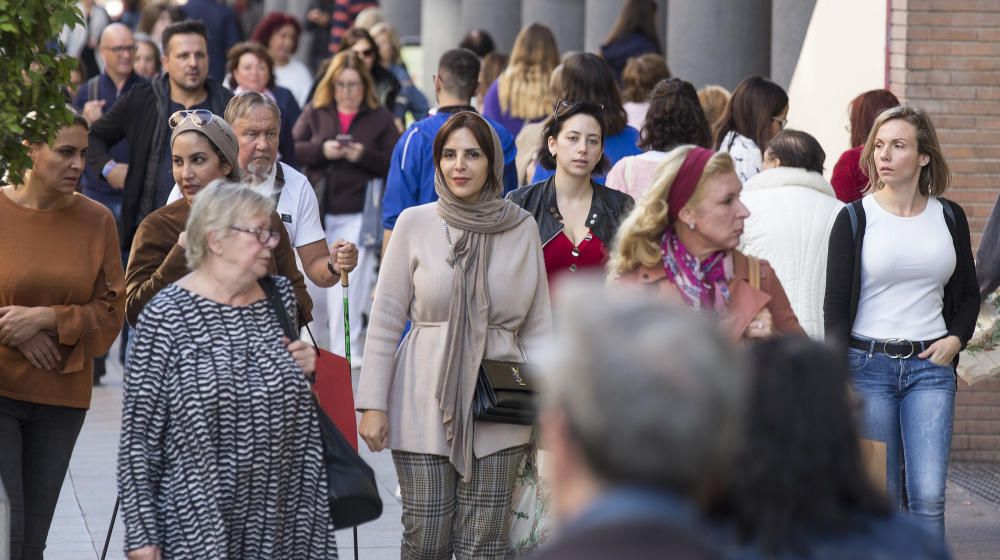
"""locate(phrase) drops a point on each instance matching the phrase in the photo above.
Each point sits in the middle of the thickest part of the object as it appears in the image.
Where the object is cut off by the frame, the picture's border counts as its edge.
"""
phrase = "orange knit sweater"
(67, 259)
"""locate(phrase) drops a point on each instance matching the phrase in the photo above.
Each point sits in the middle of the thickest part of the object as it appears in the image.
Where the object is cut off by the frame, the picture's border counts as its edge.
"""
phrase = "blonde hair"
(713, 101)
(523, 88)
(345, 59)
(216, 209)
(386, 28)
(638, 240)
(935, 176)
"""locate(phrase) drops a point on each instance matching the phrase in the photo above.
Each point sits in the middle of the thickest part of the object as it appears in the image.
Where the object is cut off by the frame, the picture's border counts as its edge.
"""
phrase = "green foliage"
(32, 77)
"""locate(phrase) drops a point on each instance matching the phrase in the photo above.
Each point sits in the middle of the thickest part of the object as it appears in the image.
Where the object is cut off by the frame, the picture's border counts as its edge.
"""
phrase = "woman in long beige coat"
(467, 271)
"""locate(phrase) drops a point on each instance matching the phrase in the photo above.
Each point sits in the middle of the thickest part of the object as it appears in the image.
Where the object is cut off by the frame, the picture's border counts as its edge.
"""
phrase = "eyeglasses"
(781, 122)
(200, 117)
(124, 49)
(347, 86)
(565, 106)
(266, 237)
(366, 53)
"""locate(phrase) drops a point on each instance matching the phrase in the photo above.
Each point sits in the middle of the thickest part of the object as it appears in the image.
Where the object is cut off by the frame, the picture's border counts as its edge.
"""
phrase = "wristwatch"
(329, 266)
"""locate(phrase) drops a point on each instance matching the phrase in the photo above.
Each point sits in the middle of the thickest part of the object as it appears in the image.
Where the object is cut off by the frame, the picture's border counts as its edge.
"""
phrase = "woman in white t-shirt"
(756, 113)
(901, 295)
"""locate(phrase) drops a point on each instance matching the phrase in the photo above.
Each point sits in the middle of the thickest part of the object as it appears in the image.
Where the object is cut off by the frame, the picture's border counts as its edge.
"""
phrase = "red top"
(848, 179)
(345, 120)
(561, 257)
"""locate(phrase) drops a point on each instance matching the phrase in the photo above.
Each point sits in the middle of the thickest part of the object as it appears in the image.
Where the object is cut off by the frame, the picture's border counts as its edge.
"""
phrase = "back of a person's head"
(651, 394)
(751, 111)
(800, 472)
(795, 148)
(674, 117)
(641, 74)
(713, 99)
(478, 41)
(535, 47)
(369, 17)
(587, 77)
(636, 17)
(863, 110)
(458, 70)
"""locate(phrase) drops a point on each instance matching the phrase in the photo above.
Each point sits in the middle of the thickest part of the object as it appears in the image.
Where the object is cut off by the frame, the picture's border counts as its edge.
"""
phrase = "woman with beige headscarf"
(468, 273)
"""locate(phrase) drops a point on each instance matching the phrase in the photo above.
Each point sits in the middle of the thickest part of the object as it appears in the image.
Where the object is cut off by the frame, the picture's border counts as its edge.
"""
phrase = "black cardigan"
(843, 277)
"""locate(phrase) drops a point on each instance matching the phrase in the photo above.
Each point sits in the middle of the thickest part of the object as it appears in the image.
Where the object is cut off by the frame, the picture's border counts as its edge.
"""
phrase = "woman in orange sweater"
(61, 291)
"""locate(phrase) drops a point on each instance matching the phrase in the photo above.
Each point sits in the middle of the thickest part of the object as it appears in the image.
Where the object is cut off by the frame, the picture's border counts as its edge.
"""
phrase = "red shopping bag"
(336, 394)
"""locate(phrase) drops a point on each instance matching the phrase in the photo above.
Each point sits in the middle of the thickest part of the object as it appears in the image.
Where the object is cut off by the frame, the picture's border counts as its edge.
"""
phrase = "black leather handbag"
(351, 487)
(505, 393)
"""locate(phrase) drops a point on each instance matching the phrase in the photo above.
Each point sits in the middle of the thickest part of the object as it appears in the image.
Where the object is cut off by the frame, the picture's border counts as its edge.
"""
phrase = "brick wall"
(944, 56)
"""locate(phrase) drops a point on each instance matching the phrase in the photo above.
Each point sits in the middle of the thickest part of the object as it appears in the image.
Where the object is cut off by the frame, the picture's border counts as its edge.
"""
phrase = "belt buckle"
(899, 341)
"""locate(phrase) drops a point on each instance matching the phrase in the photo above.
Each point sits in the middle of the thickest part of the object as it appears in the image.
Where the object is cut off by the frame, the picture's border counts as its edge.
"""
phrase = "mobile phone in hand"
(344, 139)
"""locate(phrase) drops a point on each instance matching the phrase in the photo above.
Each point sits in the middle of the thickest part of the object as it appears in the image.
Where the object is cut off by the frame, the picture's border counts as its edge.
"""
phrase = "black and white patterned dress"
(220, 453)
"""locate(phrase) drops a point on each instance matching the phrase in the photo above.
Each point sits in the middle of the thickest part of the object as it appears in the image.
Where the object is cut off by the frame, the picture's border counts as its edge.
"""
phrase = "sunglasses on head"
(566, 106)
(200, 117)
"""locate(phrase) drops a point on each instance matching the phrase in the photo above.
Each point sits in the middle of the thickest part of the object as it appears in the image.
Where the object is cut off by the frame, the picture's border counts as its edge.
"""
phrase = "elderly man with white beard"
(255, 119)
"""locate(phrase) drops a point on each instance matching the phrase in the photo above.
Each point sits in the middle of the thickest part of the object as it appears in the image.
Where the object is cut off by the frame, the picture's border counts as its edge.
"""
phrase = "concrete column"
(404, 15)
(502, 20)
(719, 41)
(789, 23)
(442, 30)
(564, 17)
(602, 15)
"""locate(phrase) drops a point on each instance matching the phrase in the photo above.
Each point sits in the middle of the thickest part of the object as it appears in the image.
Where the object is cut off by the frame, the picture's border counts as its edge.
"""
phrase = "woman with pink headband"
(681, 240)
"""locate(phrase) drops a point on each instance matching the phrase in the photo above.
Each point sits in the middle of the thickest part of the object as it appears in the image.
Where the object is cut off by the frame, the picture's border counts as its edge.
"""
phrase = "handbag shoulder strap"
(754, 273)
(274, 300)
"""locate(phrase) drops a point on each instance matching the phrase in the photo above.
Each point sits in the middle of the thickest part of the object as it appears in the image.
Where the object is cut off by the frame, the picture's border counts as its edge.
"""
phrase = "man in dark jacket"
(141, 117)
(629, 454)
(226, 32)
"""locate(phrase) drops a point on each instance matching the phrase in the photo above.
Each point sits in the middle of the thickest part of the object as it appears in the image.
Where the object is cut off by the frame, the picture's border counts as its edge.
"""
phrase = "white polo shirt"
(297, 205)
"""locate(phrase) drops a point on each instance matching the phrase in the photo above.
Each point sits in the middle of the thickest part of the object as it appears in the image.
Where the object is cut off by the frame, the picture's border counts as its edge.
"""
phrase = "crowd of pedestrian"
(660, 263)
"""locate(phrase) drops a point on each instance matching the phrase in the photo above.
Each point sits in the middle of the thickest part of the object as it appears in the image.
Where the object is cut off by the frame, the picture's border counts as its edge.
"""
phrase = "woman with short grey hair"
(220, 453)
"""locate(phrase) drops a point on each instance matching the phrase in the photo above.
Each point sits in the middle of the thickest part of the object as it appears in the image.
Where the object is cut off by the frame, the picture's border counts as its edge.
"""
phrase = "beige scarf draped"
(468, 314)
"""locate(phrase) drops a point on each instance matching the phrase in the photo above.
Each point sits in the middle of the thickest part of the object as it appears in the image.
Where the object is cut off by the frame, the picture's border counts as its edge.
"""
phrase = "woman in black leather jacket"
(577, 218)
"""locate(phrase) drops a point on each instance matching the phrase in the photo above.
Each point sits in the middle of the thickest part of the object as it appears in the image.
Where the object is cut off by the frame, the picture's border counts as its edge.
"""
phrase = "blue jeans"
(909, 403)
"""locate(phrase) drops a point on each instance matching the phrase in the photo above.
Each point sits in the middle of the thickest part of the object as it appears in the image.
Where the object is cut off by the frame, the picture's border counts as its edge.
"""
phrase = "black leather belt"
(894, 347)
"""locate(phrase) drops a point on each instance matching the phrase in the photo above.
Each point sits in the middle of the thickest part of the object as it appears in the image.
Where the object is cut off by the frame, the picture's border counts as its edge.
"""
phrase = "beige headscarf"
(468, 315)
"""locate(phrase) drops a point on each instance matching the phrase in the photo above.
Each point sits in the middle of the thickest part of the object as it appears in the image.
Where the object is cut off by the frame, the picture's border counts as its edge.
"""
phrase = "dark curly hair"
(675, 117)
(800, 472)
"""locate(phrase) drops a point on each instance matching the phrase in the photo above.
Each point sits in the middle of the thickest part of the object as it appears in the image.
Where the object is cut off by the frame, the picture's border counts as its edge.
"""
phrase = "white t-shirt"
(297, 206)
(296, 77)
(905, 264)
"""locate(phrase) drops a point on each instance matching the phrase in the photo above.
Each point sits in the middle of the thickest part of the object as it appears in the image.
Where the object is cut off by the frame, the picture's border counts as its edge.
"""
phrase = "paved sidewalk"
(88, 497)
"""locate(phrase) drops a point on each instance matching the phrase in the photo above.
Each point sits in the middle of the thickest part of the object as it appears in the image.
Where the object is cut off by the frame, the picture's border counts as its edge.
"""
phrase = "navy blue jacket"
(94, 186)
(223, 32)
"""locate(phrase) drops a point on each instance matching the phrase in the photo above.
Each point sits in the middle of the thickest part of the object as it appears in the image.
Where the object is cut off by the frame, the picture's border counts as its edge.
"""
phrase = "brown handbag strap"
(754, 264)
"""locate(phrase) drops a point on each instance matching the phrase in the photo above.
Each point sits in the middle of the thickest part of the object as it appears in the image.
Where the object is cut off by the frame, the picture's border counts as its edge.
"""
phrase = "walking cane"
(347, 354)
(111, 526)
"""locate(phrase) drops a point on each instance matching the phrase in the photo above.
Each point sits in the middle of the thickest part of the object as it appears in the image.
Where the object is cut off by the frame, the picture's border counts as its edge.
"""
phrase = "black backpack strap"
(853, 213)
(949, 212)
(274, 300)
